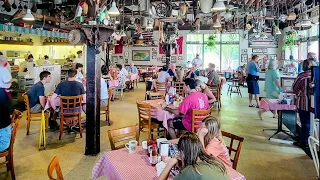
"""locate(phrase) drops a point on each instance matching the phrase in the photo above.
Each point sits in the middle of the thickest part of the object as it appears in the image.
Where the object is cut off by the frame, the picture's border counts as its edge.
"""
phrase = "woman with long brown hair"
(195, 162)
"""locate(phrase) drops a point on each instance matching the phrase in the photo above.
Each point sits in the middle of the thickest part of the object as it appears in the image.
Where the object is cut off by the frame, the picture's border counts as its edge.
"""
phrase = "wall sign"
(259, 50)
(244, 58)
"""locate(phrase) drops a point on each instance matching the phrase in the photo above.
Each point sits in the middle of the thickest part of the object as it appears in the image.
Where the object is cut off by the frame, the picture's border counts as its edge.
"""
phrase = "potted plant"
(290, 38)
(211, 43)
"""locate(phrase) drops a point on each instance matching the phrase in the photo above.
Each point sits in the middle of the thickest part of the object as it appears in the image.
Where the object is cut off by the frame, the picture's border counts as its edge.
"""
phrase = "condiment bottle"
(153, 155)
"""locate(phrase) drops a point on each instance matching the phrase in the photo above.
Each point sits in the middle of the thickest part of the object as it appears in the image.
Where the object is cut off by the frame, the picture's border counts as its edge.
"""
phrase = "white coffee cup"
(131, 146)
(288, 101)
(160, 167)
(144, 144)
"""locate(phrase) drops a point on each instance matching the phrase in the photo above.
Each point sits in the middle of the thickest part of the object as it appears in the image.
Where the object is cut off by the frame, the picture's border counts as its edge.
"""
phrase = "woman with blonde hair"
(196, 163)
(211, 139)
(202, 87)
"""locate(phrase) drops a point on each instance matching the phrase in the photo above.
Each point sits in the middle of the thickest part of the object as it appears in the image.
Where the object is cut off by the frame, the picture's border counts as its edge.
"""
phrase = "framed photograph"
(115, 59)
(126, 61)
(126, 54)
(154, 49)
(244, 51)
(120, 57)
(272, 56)
(154, 54)
(173, 59)
(140, 55)
(179, 58)
(154, 57)
(244, 58)
(159, 59)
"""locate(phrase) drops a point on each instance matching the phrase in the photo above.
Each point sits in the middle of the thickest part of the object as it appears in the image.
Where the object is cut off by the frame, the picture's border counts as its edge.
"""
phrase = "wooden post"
(168, 54)
(93, 102)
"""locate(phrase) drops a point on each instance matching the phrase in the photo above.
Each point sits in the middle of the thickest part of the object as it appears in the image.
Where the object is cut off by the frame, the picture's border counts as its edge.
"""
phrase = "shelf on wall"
(16, 42)
(60, 44)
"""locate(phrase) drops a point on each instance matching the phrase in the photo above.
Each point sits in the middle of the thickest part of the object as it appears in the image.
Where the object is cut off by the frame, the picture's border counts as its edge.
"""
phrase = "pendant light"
(28, 16)
(113, 11)
(218, 6)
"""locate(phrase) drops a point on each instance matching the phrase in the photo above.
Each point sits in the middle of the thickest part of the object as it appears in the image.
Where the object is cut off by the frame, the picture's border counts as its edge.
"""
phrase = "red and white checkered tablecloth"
(120, 165)
(272, 104)
(114, 83)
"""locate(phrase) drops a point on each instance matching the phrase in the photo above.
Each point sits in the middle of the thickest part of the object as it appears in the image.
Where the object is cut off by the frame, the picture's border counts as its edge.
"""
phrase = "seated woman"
(205, 90)
(196, 163)
(122, 75)
(211, 139)
(191, 74)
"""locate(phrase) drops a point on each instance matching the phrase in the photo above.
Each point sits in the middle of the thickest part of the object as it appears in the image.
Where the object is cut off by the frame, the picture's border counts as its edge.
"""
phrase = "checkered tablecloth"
(120, 165)
(272, 104)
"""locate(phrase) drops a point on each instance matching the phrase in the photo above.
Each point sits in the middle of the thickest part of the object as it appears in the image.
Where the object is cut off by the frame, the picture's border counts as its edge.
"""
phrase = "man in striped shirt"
(303, 93)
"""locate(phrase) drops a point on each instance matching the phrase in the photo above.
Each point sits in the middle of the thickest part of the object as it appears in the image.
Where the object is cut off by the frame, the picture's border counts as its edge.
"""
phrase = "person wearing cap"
(78, 59)
(5, 104)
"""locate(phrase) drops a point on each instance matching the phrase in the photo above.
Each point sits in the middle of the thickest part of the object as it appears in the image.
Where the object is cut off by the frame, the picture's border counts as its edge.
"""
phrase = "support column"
(168, 54)
(93, 101)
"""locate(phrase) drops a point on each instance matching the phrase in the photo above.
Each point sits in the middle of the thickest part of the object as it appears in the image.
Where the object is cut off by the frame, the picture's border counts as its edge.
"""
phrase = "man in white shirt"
(78, 59)
(197, 62)
(104, 96)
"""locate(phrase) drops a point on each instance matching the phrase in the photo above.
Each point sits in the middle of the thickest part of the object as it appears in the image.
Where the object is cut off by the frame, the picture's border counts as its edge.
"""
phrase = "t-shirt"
(170, 72)
(104, 90)
(252, 68)
(78, 60)
(79, 77)
(163, 76)
(192, 74)
(219, 150)
(5, 76)
(205, 172)
(196, 100)
(213, 76)
(270, 85)
(133, 70)
(70, 88)
(34, 93)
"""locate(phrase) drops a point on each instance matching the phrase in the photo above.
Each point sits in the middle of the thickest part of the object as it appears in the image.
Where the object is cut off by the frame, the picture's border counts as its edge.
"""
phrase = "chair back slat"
(54, 166)
(71, 105)
(161, 86)
(15, 122)
(179, 87)
(237, 151)
(122, 136)
(26, 102)
(198, 116)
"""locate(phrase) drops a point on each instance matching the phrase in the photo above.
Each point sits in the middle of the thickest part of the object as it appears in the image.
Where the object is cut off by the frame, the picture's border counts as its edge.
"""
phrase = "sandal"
(251, 105)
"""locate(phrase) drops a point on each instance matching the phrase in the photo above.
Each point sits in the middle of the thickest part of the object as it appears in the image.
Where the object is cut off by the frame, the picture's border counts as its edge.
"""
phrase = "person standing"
(78, 59)
(197, 62)
(79, 76)
(303, 93)
(24, 65)
(37, 98)
(253, 80)
(5, 104)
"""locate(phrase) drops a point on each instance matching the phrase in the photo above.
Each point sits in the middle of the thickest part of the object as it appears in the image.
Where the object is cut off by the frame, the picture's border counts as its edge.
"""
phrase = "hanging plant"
(291, 37)
(211, 43)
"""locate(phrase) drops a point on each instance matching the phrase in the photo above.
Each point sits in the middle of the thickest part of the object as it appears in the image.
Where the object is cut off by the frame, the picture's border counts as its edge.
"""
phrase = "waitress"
(5, 104)
(252, 80)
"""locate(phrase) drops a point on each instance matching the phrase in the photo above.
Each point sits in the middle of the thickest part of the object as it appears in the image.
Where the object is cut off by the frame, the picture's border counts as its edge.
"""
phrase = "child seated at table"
(196, 163)
(211, 139)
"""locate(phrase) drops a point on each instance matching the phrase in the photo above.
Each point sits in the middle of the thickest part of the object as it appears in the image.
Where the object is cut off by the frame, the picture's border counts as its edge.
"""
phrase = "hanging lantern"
(206, 5)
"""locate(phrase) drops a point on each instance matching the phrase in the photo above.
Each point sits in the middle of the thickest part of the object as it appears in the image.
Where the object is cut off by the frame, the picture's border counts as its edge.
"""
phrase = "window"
(225, 55)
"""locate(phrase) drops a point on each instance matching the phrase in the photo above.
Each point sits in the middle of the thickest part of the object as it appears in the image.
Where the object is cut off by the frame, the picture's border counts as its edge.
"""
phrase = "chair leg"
(28, 123)
(8, 164)
(61, 127)
(80, 126)
(13, 175)
(47, 116)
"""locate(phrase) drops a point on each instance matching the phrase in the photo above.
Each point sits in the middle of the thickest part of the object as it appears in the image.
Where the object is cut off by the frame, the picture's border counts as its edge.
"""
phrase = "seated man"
(37, 98)
(68, 88)
(132, 69)
(195, 100)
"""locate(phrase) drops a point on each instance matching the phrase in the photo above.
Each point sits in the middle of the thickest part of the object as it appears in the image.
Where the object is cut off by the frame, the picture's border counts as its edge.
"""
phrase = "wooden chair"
(231, 149)
(106, 110)
(161, 86)
(156, 95)
(216, 91)
(33, 116)
(54, 165)
(71, 107)
(122, 136)
(179, 86)
(8, 153)
(153, 128)
(197, 117)
(234, 84)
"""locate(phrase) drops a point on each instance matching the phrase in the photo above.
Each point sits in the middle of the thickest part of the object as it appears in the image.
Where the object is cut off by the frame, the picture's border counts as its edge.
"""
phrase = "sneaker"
(75, 128)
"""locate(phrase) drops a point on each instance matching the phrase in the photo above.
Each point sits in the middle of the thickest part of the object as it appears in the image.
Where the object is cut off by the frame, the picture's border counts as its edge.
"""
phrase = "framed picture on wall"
(154, 57)
(154, 54)
(120, 57)
(126, 61)
(244, 51)
(244, 58)
(126, 54)
(179, 58)
(154, 49)
(173, 59)
(272, 56)
(115, 59)
(140, 55)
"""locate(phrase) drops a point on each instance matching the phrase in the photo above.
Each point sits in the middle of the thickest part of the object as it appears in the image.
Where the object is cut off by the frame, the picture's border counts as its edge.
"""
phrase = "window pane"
(212, 56)
(303, 50)
(206, 37)
(230, 38)
(229, 56)
(314, 31)
(314, 47)
(194, 38)
(192, 50)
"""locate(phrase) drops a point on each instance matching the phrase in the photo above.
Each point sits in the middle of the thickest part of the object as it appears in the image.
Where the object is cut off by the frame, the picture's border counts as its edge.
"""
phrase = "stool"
(235, 84)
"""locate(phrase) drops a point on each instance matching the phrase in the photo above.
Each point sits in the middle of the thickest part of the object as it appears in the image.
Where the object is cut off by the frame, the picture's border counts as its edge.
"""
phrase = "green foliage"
(290, 38)
(211, 44)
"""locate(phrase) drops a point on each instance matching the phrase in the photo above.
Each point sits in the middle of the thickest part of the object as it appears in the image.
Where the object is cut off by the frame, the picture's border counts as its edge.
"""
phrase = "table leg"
(279, 129)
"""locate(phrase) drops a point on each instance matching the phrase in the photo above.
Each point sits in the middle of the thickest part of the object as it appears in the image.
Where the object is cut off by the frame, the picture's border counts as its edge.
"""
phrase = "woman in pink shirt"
(211, 138)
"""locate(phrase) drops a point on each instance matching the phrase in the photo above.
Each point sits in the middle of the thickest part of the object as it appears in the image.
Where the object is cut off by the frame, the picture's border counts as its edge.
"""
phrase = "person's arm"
(166, 172)
(210, 95)
(42, 100)
(202, 132)
(173, 111)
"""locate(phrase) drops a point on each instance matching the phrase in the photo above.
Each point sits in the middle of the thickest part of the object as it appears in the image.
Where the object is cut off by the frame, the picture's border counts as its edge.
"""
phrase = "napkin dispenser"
(161, 140)
(164, 148)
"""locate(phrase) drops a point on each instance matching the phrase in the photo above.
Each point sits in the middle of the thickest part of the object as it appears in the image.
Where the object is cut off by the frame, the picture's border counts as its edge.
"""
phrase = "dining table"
(122, 165)
(158, 112)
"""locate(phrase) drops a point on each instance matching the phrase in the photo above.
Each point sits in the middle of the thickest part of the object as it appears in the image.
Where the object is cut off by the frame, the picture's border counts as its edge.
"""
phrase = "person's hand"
(14, 80)
(202, 132)
(172, 162)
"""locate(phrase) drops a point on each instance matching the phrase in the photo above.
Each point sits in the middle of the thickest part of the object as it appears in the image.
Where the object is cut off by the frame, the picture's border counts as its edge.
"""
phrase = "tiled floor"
(260, 159)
